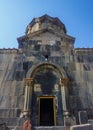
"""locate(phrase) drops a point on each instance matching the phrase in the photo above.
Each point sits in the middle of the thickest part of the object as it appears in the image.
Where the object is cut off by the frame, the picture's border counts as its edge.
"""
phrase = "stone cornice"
(84, 50)
(66, 37)
(47, 30)
(10, 51)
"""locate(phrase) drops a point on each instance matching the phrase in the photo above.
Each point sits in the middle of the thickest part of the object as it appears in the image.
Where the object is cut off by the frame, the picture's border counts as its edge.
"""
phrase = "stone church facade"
(46, 78)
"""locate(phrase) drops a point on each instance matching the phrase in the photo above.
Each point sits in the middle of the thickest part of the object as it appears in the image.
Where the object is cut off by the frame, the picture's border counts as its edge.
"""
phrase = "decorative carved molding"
(28, 81)
(8, 51)
(64, 81)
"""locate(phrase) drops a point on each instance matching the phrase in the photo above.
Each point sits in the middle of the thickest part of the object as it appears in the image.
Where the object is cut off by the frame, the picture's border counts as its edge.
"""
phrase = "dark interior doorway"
(46, 109)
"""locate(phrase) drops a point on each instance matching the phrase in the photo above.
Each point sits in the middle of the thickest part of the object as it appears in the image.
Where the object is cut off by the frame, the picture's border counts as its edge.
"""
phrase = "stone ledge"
(8, 51)
(51, 128)
(82, 127)
(90, 121)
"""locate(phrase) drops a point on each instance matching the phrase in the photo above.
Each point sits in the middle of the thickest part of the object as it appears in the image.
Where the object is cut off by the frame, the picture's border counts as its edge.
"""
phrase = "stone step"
(41, 128)
(51, 128)
(82, 127)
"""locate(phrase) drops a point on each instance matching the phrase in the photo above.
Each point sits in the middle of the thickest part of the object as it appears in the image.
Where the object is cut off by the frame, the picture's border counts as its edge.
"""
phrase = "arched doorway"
(45, 96)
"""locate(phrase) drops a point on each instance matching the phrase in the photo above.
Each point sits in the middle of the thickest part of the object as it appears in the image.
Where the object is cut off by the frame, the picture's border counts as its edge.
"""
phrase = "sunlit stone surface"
(46, 71)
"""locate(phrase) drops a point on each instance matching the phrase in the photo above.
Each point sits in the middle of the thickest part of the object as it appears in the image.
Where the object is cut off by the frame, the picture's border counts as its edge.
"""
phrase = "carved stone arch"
(47, 82)
(57, 68)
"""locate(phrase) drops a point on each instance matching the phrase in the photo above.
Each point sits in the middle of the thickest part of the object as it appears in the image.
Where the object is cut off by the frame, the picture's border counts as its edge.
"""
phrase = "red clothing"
(27, 125)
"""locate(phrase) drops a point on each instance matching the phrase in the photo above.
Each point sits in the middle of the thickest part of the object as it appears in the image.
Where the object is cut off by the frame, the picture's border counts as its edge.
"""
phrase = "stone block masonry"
(82, 127)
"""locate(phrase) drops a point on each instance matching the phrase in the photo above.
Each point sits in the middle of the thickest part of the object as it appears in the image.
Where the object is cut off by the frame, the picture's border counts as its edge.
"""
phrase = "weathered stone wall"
(81, 83)
(51, 45)
(11, 86)
(76, 63)
(14, 67)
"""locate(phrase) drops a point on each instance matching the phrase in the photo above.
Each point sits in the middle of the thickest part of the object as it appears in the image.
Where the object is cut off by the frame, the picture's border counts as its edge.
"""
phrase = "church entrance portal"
(46, 96)
(46, 111)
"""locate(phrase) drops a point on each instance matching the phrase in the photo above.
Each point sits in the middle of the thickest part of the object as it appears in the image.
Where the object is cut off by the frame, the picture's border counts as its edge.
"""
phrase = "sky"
(77, 15)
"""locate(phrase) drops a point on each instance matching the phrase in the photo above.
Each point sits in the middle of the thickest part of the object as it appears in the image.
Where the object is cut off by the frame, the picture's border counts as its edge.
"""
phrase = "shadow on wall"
(47, 80)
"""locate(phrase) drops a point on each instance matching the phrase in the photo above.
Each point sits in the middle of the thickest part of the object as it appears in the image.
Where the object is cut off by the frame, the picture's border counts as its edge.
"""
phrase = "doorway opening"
(46, 111)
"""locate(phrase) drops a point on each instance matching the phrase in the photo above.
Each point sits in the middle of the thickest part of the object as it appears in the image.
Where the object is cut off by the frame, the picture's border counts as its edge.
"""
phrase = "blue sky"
(15, 15)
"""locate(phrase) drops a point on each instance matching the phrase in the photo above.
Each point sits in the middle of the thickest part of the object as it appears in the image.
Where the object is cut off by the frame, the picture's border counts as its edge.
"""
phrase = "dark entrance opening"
(46, 112)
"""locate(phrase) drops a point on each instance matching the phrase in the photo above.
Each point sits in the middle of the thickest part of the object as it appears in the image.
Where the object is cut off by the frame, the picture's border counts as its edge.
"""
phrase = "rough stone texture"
(82, 127)
(83, 118)
(69, 121)
(46, 53)
(90, 121)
